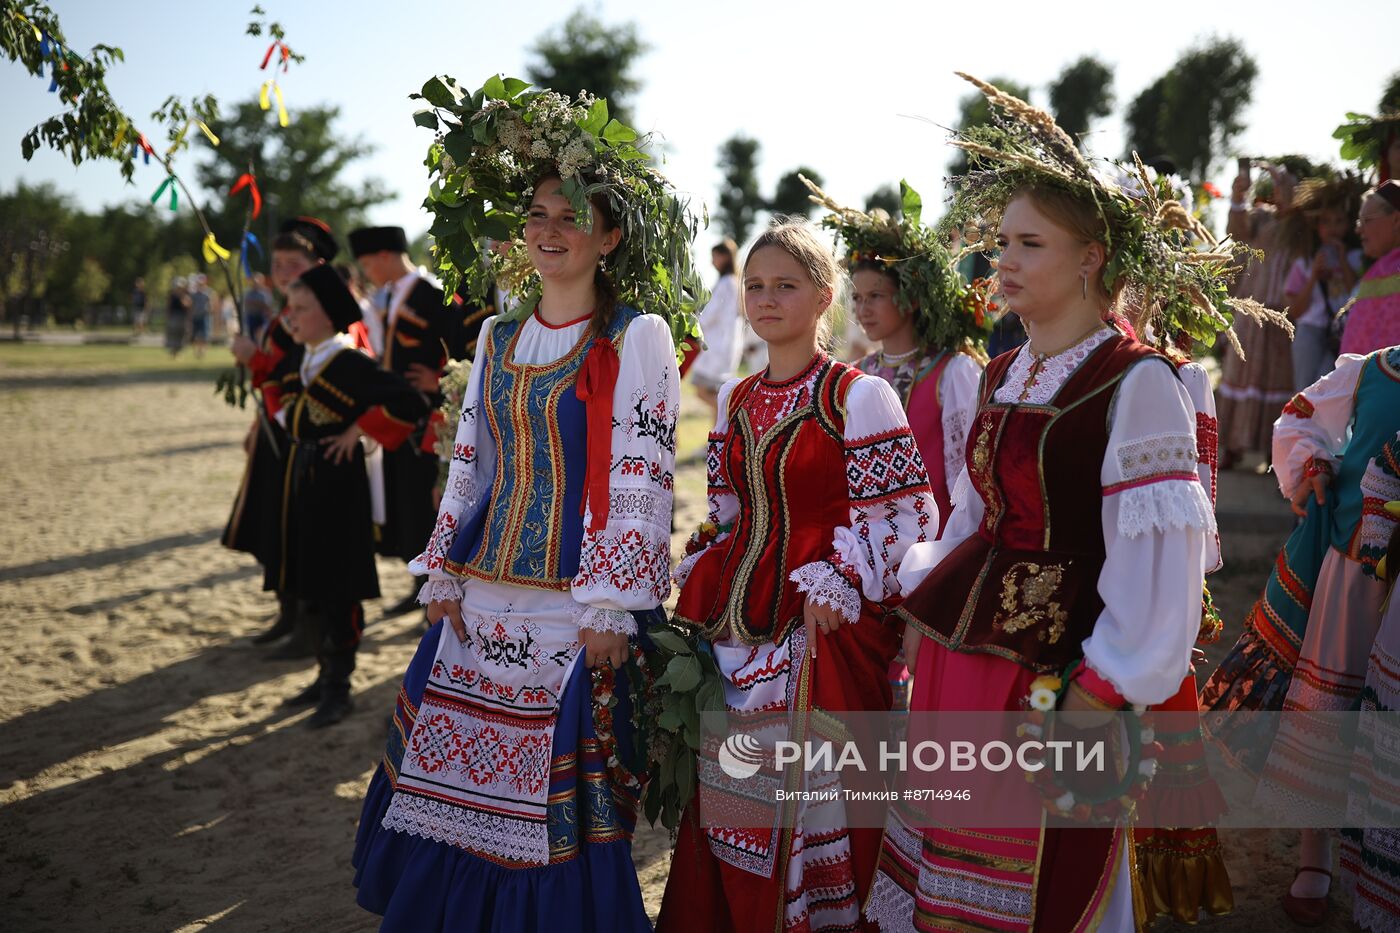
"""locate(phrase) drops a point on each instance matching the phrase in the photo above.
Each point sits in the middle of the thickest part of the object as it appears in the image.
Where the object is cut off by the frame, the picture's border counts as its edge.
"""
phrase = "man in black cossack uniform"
(419, 335)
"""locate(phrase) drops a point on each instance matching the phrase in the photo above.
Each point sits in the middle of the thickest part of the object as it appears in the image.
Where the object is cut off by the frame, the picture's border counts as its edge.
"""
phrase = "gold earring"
(1084, 280)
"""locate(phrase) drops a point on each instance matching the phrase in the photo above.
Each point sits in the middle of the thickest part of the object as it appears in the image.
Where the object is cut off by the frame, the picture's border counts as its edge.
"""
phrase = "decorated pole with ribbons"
(93, 126)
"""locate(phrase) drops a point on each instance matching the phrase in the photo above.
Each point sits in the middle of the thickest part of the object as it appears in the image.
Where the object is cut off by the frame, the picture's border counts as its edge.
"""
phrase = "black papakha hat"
(316, 232)
(1390, 193)
(333, 294)
(367, 240)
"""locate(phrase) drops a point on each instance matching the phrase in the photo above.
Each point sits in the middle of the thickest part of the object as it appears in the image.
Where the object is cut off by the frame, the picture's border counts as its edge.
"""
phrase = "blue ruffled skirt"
(420, 885)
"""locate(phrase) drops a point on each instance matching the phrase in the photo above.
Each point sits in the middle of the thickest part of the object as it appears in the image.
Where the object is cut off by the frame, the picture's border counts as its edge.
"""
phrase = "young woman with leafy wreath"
(816, 489)
(508, 790)
(931, 328)
(1076, 549)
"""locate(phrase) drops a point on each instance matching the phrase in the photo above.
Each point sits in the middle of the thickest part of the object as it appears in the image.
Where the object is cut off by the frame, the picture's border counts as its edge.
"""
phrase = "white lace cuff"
(825, 586)
(1164, 506)
(440, 591)
(607, 620)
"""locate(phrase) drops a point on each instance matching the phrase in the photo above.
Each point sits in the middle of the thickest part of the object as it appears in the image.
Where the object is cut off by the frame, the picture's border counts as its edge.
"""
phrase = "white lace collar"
(1052, 372)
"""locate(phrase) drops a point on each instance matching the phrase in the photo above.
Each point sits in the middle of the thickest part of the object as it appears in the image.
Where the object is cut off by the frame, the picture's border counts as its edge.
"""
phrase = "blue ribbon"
(249, 240)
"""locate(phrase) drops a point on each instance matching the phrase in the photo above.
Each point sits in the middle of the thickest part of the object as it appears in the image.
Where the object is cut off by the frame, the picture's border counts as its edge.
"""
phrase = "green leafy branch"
(688, 685)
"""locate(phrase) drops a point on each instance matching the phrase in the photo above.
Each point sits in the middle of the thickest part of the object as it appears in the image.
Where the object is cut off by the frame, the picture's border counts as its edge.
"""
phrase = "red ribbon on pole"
(248, 181)
(596, 382)
(286, 54)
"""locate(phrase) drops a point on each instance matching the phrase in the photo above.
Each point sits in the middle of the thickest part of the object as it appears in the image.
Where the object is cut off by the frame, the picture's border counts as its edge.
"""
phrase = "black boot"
(306, 635)
(286, 621)
(312, 694)
(335, 703)
(410, 602)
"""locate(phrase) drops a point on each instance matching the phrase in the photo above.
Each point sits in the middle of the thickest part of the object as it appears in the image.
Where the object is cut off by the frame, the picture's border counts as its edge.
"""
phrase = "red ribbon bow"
(596, 381)
(248, 181)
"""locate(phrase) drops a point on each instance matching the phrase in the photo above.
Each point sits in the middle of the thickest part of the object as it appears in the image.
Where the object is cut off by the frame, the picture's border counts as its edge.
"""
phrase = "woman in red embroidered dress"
(817, 489)
(1081, 421)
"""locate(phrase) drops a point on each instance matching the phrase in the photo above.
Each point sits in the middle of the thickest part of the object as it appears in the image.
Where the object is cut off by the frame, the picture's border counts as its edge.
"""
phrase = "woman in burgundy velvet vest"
(816, 491)
(1076, 544)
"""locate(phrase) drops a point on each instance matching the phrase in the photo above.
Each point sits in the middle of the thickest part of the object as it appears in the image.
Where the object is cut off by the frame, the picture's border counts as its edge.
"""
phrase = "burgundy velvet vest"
(1025, 586)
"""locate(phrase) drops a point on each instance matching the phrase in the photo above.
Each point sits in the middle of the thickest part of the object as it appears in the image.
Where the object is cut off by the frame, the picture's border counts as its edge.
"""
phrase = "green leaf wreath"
(494, 143)
(1170, 272)
(949, 313)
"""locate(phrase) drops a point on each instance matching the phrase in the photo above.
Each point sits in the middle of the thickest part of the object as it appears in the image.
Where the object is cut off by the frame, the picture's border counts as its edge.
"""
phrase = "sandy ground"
(148, 778)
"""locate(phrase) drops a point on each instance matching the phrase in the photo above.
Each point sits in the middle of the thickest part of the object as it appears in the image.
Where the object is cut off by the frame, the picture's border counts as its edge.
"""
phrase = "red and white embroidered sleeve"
(891, 505)
(1316, 424)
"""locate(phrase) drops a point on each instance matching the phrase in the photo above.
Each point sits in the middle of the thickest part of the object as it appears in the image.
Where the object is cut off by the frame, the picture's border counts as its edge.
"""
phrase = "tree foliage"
(300, 169)
(1194, 112)
(1082, 94)
(887, 199)
(790, 197)
(740, 200)
(586, 54)
(1390, 97)
(974, 111)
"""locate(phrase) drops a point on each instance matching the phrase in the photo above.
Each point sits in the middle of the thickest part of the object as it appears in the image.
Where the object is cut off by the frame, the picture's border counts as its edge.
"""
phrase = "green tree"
(1144, 120)
(1194, 112)
(585, 54)
(887, 199)
(739, 198)
(300, 170)
(790, 197)
(34, 223)
(973, 110)
(1390, 97)
(1082, 94)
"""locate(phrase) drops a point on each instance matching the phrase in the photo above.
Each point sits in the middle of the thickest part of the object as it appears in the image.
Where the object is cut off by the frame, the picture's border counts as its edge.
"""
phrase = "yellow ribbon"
(38, 36)
(121, 134)
(265, 101)
(282, 118)
(212, 250)
(213, 140)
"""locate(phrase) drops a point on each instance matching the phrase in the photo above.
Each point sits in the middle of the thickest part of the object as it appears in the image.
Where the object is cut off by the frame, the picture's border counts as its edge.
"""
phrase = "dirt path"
(148, 778)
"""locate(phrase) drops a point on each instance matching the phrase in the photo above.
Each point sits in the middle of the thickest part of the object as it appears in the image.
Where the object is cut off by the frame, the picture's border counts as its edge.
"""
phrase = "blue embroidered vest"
(529, 530)
(1375, 419)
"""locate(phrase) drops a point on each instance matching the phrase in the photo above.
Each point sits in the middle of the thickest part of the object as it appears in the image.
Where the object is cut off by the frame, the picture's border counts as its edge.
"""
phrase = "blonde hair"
(799, 239)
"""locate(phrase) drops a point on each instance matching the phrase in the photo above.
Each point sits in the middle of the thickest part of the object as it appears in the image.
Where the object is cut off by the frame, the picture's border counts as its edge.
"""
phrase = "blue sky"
(833, 85)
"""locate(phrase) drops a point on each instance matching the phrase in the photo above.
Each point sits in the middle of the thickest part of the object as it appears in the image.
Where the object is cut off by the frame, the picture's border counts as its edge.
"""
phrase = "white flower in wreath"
(1042, 699)
(1065, 802)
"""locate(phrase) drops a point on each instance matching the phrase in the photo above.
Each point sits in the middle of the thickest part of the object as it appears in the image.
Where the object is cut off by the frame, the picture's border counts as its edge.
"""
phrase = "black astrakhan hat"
(333, 294)
(316, 232)
(377, 239)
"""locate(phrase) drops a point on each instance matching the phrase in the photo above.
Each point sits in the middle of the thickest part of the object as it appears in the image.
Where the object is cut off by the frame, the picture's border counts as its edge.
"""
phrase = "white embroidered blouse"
(625, 566)
(1156, 521)
(865, 554)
